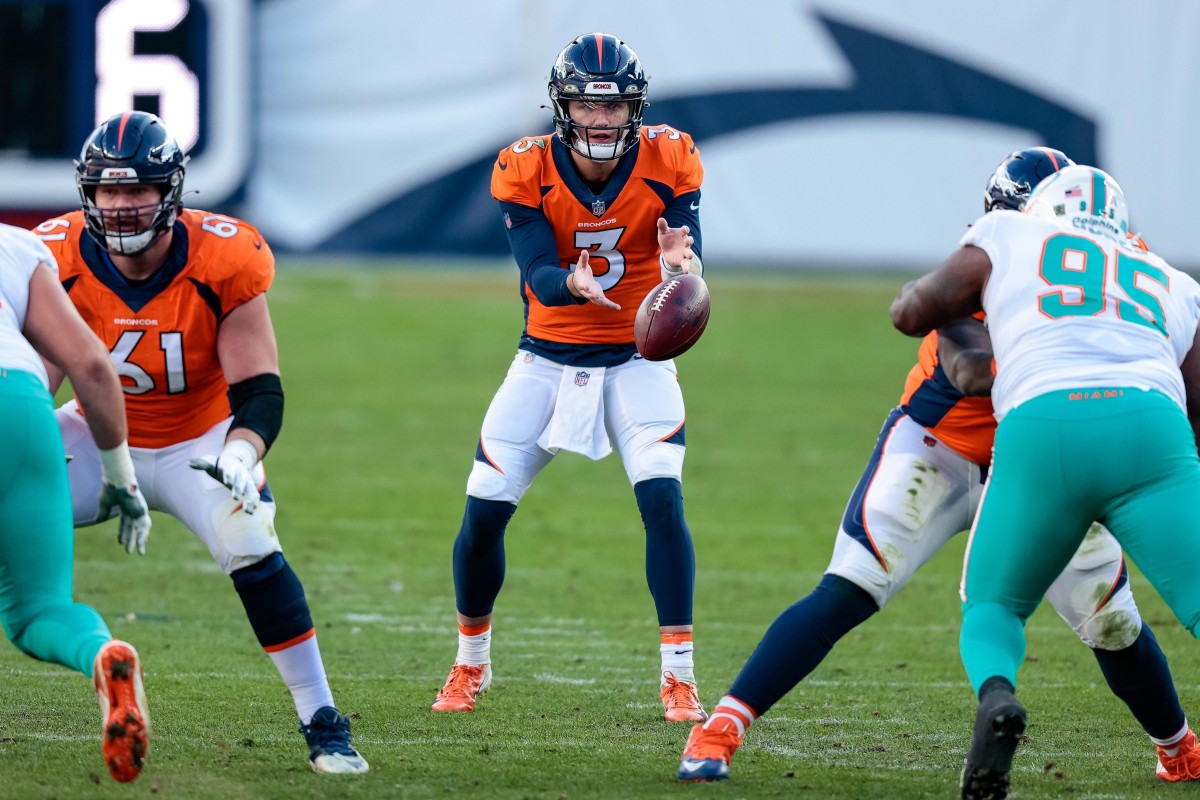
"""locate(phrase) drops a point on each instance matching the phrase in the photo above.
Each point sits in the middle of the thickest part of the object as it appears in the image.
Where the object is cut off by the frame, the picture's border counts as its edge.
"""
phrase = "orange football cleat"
(462, 687)
(708, 751)
(1184, 765)
(117, 674)
(680, 701)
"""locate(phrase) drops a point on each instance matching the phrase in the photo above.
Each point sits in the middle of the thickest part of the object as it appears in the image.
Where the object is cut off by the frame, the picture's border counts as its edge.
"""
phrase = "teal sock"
(992, 643)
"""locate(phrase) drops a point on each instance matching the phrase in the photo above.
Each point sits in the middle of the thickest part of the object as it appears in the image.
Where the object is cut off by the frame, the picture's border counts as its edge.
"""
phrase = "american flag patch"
(1074, 191)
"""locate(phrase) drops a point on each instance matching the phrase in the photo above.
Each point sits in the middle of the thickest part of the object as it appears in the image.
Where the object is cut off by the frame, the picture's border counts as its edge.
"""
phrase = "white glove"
(235, 469)
(120, 491)
(135, 516)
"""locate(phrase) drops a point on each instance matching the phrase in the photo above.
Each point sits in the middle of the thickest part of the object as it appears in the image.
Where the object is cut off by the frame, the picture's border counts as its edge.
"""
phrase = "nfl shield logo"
(598, 207)
(581, 378)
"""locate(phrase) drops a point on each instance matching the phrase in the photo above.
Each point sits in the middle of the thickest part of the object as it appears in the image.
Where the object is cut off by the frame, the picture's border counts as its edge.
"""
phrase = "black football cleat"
(999, 726)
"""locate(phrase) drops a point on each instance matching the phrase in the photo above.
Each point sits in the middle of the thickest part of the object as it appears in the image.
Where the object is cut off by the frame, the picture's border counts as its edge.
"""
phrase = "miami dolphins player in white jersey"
(39, 326)
(1097, 395)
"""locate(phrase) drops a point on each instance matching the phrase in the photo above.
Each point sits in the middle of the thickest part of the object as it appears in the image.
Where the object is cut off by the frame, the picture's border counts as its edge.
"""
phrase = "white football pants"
(916, 493)
(642, 408)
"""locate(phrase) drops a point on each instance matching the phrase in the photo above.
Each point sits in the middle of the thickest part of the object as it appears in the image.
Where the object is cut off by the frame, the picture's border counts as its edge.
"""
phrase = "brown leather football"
(672, 317)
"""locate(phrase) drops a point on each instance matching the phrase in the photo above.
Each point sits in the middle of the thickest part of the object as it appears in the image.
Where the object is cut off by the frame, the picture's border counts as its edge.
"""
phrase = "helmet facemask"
(580, 137)
(131, 230)
(598, 68)
(132, 148)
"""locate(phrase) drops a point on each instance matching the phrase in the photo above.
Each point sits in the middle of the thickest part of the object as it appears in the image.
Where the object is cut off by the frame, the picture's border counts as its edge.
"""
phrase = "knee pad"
(1093, 576)
(655, 460)
(1115, 626)
(246, 538)
(855, 560)
(488, 483)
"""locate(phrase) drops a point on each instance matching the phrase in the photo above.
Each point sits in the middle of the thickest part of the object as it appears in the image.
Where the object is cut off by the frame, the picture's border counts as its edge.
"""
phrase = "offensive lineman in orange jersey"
(920, 488)
(178, 297)
(597, 215)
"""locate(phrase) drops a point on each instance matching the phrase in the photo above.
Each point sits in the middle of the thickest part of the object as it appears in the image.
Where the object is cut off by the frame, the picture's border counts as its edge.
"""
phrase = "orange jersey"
(163, 334)
(965, 424)
(617, 227)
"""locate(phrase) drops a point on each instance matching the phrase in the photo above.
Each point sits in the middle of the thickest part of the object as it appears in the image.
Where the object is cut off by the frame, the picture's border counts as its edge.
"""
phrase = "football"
(672, 317)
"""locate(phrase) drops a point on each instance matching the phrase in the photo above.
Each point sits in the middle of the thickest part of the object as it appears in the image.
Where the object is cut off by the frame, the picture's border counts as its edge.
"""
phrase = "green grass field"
(388, 373)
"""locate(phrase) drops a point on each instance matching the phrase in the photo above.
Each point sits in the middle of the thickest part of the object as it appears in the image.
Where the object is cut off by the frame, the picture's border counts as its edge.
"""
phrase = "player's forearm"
(971, 372)
(912, 310)
(965, 353)
(549, 284)
(99, 391)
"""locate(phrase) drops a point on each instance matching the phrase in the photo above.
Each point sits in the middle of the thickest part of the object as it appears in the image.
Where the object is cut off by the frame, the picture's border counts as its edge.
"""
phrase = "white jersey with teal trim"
(1067, 310)
(20, 253)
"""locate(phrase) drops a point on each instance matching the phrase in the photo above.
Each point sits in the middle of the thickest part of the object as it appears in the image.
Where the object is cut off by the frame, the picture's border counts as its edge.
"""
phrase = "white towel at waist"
(578, 421)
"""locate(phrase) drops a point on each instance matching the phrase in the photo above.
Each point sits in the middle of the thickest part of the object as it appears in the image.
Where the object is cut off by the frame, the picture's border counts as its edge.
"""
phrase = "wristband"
(240, 450)
(116, 466)
(696, 267)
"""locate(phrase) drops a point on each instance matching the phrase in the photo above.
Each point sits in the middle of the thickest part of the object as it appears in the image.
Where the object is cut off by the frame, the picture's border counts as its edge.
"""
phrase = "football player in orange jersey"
(597, 214)
(922, 486)
(39, 327)
(178, 297)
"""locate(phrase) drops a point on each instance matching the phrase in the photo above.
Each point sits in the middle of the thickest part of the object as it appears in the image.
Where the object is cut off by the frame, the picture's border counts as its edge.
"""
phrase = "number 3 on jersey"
(171, 344)
(1078, 263)
(605, 242)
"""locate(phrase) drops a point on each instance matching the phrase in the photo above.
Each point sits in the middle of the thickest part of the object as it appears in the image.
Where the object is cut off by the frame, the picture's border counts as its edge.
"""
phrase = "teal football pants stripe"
(37, 538)
(1125, 457)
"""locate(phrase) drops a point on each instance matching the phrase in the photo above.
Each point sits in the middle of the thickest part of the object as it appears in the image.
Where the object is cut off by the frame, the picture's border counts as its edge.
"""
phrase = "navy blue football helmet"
(598, 68)
(1017, 175)
(133, 147)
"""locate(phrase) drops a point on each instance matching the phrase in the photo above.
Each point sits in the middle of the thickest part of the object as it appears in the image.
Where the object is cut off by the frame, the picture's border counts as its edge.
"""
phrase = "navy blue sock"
(670, 557)
(479, 555)
(274, 601)
(799, 639)
(1139, 675)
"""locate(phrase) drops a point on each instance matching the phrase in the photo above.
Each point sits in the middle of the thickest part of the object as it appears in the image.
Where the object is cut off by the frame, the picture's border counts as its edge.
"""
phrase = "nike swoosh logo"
(690, 766)
(693, 149)
(694, 206)
(258, 244)
(502, 164)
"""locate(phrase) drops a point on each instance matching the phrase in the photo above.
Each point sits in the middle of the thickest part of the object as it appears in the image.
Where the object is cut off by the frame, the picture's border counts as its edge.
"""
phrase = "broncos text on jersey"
(162, 333)
(617, 226)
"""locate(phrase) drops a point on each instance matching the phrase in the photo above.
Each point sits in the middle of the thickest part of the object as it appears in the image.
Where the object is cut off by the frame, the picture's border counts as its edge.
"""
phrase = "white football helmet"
(1084, 198)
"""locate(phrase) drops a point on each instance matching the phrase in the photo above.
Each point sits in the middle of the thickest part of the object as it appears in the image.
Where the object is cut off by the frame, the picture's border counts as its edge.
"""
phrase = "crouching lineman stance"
(36, 536)
(597, 215)
(922, 485)
(178, 297)
(1096, 363)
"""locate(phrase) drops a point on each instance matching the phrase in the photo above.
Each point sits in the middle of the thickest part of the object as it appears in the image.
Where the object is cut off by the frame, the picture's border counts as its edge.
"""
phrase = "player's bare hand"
(676, 245)
(586, 285)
